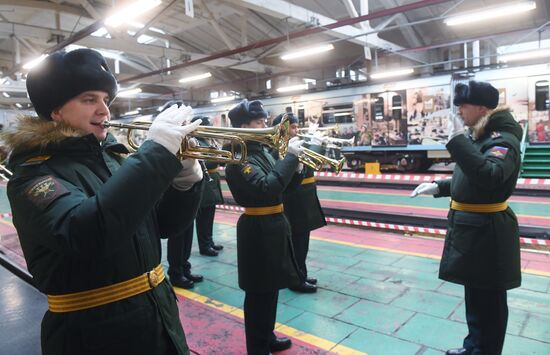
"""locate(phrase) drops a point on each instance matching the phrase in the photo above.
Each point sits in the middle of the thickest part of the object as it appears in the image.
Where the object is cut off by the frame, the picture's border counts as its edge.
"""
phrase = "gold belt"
(309, 180)
(479, 207)
(97, 297)
(211, 171)
(263, 211)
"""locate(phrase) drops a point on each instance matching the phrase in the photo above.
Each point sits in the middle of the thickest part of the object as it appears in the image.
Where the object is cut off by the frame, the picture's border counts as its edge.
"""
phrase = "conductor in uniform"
(303, 209)
(264, 249)
(90, 219)
(481, 248)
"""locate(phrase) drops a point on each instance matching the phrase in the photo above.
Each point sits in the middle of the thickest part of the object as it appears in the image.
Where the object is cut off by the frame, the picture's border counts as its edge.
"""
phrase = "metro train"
(402, 125)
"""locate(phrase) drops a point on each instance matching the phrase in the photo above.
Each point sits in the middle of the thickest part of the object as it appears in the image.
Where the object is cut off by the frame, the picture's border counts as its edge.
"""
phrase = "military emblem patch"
(499, 152)
(495, 135)
(247, 169)
(45, 190)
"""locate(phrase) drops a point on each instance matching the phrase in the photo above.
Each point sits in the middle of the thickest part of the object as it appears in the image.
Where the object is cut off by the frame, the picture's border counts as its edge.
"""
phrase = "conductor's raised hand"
(167, 129)
(426, 188)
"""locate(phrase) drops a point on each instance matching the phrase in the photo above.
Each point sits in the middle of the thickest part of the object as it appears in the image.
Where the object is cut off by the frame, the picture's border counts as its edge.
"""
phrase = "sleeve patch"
(45, 190)
(248, 172)
(499, 152)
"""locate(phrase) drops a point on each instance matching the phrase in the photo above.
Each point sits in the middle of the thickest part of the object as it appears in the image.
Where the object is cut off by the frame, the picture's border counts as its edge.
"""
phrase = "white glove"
(167, 129)
(426, 188)
(455, 126)
(299, 168)
(189, 175)
(319, 139)
(295, 146)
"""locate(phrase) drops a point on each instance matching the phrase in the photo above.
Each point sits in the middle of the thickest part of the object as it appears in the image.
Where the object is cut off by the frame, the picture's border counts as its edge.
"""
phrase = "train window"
(396, 109)
(378, 108)
(541, 95)
(338, 114)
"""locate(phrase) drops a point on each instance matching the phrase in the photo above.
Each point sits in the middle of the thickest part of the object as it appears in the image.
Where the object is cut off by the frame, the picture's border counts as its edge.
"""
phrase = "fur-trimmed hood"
(33, 136)
(500, 119)
(33, 133)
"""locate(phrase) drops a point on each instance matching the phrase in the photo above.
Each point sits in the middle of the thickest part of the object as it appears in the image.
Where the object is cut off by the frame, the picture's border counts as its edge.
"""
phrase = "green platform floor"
(380, 302)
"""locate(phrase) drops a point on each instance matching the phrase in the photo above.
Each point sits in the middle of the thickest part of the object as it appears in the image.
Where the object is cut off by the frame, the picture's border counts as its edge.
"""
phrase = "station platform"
(378, 294)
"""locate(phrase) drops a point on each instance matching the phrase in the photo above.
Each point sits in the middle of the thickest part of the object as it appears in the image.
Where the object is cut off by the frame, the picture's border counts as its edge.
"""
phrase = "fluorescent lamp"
(154, 29)
(342, 114)
(128, 13)
(540, 53)
(6, 94)
(128, 92)
(307, 51)
(490, 13)
(389, 74)
(129, 113)
(195, 77)
(33, 63)
(18, 105)
(292, 88)
(223, 99)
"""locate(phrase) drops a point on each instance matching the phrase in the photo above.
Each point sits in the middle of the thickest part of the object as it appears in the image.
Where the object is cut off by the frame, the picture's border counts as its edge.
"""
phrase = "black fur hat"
(246, 111)
(476, 93)
(65, 75)
(205, 120)
(291, 119)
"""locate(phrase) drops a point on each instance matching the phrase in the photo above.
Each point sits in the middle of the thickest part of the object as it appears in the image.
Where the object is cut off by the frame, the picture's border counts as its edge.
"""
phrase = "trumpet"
(316, 161)
(276, 137)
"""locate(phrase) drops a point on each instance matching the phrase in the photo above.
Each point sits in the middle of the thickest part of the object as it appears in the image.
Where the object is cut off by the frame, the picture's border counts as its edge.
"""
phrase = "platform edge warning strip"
(310, 339)
(396, 227)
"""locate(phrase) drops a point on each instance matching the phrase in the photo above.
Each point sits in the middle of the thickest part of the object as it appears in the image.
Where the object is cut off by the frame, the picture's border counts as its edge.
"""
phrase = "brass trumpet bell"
(316, 161)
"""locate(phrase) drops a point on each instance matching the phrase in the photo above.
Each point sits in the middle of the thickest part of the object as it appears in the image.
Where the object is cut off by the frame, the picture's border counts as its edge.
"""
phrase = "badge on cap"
(495, 135)
(45, 190)
(499, 152)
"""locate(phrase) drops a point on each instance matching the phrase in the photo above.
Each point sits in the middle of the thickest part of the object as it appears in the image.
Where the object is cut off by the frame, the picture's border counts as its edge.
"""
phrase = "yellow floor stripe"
(313, 340)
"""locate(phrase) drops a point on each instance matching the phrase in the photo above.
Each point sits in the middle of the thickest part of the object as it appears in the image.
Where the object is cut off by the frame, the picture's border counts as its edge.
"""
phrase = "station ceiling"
(240, 42)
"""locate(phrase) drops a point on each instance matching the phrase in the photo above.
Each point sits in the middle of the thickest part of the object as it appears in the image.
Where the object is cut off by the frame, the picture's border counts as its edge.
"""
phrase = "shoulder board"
(36, 160)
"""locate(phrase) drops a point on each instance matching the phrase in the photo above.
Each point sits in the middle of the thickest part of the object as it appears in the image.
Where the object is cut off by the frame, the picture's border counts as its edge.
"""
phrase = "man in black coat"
(303, 209)
(265, 257)
(90, 219)
(481, 248)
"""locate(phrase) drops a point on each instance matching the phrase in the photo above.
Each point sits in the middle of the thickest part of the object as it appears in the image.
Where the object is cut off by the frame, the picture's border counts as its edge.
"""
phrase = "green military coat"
(482, 249)
(264, 249)
(302, 206)
(88, 218)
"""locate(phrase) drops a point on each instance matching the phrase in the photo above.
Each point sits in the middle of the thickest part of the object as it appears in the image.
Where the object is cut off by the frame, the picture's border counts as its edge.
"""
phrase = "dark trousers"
(205, 224)
(300, 243)
(260, 312)
(179, 251)
(487, 317)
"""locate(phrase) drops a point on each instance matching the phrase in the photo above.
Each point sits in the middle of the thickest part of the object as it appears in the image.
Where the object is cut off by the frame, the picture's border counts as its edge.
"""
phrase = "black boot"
(217, 247)
(280, 344)
(192, 277)
(311, 280)
(304, 287)
(209, 252)
(459, 351)
(182, 282)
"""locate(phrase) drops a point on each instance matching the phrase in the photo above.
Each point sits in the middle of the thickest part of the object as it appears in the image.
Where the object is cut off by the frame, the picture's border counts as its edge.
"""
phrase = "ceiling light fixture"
(389, 74)
(490, 13)
(307, 51)
(128, 92)
(195, 77)
(33, 63)
(223, 99)
(128, 13)
(292, 88)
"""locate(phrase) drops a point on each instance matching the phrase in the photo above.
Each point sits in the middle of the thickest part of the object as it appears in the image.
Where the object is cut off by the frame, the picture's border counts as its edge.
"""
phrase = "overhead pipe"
(292, 35)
